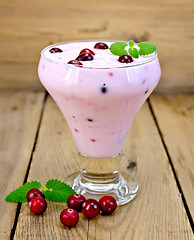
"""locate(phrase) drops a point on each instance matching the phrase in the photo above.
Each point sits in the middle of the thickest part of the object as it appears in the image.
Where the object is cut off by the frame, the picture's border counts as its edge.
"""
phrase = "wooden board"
(175, 116)
(20, 114)
(29, 26)
(156, 213)
(55, 157)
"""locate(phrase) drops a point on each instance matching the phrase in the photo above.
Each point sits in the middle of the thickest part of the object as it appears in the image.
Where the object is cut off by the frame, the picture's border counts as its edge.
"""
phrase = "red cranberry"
(69, 217)
(90, 208)
(75, 62)
(55, 50)
(75, 201)
(38, 205)
(125, 58)
(101, 45)
(107, 204)
(87, 50)
(85, 57)
(103, 89)
(34, 192)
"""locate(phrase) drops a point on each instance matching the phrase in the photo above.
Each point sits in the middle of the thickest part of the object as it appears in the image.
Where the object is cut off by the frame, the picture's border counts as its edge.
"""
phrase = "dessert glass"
(99, 105)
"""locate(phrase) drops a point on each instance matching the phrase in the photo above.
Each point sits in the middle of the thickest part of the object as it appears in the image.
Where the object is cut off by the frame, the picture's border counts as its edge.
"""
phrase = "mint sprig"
(118, 48)
(133, 52)
(57, 191)
(54, 190)
(19, 194)
(131, 43)
(146, 48)
(141, 49)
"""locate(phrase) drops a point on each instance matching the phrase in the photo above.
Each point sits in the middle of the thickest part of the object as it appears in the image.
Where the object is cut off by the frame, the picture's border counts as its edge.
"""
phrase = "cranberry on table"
(34, 192)
(90, 208)
(75, 62)
(75, 201)
(38, 205)
(125, 58)
(87, 50)
(55, 50)
(69, 217)
(101, 45)
(85, 57)
(107, 204)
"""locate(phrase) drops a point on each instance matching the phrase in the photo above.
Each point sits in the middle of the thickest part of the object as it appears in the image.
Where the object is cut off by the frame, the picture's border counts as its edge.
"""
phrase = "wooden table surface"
(36, 144)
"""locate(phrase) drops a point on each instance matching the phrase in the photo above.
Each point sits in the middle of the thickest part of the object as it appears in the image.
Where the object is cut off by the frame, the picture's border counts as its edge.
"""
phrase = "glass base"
(122, 187)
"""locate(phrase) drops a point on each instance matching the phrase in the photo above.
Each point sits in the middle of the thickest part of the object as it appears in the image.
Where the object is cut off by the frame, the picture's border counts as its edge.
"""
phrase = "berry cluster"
(87, 54)
(90, 208)
(76, 203)
(37, 202)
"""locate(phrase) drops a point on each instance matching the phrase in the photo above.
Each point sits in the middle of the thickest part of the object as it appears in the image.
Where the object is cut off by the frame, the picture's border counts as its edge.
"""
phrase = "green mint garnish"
(146, 48)
(118, 48)
(131, 43)
(141, 49)
(57, 191)
(133, 52)
(54, 190)
(19, 195)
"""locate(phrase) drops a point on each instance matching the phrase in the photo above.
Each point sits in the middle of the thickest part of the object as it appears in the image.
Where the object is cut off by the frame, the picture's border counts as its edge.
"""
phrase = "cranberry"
(75, 62)
(107, 204)
(125, 58)
(55, 50)
(69, 217)
(75, 201)
(101, 45)
(85, 57)
(38, 205)
(34, 192)
(90, 208)
(103, 89)
(87, 50)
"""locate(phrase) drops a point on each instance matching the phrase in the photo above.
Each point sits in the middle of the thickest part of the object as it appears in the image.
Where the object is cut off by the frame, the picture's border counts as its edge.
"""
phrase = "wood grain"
(156, 213)
(175, 116)
(27, 27)
(54, 157)
(20, 114)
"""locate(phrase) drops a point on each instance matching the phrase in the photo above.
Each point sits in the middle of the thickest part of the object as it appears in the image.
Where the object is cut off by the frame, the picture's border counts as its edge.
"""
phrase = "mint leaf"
(131, 43)
(146, 48)
(19, 195)
(133, 52)
(118, 48)
(57, 191)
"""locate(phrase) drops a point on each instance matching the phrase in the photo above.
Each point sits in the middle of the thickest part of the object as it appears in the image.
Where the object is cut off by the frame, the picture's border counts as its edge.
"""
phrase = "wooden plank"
(54, 157)
(175, 116)
(20, 114)
(15, 76)
(156, 213)
(34, 25)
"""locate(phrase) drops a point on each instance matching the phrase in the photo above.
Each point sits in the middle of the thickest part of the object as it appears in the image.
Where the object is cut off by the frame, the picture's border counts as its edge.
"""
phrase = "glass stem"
(99, 170)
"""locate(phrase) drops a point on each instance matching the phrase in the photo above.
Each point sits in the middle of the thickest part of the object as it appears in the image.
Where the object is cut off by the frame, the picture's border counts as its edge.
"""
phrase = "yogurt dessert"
(99, 97)
(100, 87)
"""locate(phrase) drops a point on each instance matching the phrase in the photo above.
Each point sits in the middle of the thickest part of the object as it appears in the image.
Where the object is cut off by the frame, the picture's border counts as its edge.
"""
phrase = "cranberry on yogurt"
(56, 50)
(85, 57)
(101, 45)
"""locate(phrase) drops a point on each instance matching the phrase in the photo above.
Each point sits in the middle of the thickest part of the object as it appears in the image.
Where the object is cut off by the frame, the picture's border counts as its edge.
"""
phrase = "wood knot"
(131, 165)
(14, 108)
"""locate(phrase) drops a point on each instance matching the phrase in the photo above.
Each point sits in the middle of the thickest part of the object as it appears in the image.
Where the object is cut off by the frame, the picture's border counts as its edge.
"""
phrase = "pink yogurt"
(100, 99)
